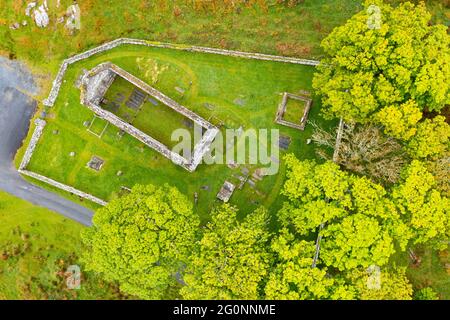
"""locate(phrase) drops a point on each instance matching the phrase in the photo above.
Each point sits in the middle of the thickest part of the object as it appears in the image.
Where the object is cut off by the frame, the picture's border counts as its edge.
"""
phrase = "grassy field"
(265, 27)
(294, 110)
(36, 247)
(217, 81)
(431, 272)
(236, 92)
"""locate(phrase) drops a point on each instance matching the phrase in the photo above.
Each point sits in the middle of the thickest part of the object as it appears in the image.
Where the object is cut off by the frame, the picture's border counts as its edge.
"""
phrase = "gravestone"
(96, 163)
(284, 142)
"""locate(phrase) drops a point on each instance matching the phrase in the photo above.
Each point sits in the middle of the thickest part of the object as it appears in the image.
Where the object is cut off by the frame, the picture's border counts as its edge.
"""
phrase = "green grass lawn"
(238, 92)
(36, 246)
(98, 126)
(153, 117)
(294, 110)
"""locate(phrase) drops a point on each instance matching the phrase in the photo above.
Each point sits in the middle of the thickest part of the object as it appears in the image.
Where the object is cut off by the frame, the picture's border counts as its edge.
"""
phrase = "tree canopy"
(142, 240)
(422, 207)
(292, 277)
(385, 73)
(388, 283)
(363, 220)
(231, 259)
(432, 139)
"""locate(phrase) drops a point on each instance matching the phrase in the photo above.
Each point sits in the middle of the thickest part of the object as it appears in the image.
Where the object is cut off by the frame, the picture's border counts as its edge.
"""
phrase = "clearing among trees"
(206, 86)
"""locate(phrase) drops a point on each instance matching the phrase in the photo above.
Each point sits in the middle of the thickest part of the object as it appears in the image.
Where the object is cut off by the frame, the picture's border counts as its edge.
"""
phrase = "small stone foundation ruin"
(282, 110)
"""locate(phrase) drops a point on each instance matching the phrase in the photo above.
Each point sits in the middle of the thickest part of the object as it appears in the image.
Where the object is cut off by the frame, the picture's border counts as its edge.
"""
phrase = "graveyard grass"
(294, 110)
(153, 117)
(238, 92)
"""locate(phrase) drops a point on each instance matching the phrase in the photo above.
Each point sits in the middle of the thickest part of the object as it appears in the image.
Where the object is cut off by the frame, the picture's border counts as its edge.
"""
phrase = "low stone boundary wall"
(40, 125)
(63, 187)
(50, 101)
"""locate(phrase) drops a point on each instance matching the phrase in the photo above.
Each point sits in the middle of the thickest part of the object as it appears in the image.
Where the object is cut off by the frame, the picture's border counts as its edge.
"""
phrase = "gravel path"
(16, 110)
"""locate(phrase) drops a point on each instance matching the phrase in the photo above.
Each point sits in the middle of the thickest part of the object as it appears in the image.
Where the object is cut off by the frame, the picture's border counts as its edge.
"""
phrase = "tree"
(142, 240)
(292, 277)
(440, 168)
(306, 181)
(432, 138)
(356, 241)
(364, 149)
(231, 259)
(371, 65)
(387, 284)
(422, 207)
(400, 121)
(358, 216)
(426, 294)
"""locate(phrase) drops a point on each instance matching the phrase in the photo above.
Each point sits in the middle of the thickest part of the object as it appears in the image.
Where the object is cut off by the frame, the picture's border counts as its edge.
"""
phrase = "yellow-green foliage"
(293, 278)
(231, 259)
(423, 206)
(432, 138)
(142, 239)
(400, 122)
(393, 284)
(368, 69)
(362, 219)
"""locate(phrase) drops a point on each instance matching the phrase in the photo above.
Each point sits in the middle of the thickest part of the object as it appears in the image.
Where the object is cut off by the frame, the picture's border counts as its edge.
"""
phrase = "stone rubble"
(30, 6)
(73, 14)
(14, 26)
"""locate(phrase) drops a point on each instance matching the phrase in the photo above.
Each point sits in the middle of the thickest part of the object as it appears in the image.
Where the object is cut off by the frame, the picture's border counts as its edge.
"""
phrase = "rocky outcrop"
(41, 17)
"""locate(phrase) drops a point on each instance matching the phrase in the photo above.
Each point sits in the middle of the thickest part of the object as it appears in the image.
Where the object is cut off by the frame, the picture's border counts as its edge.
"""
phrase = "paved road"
(16, 110)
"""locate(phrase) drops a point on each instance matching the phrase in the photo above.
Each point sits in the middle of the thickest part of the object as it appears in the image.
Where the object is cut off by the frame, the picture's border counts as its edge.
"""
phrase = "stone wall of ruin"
(162, 97)
(50, 101)
(94, 82)
(138, 134)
